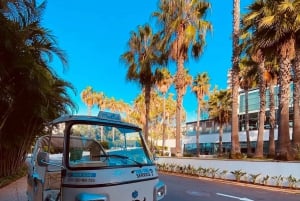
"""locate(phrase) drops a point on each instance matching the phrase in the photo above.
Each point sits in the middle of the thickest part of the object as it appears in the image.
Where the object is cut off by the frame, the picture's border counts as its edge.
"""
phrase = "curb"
(256, 186)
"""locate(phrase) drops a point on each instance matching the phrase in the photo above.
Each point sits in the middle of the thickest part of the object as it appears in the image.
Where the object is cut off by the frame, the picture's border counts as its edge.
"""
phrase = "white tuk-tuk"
(86, 158)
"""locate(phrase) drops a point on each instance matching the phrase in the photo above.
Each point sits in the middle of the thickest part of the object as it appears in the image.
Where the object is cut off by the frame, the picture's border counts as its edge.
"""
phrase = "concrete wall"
(271, 168)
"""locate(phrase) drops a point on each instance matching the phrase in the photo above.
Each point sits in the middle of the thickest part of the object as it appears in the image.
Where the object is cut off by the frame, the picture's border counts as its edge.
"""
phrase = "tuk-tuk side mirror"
(43, 158)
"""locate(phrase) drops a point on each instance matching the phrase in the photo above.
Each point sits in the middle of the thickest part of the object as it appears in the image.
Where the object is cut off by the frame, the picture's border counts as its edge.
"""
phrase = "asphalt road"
(191, 189)
(187, 189)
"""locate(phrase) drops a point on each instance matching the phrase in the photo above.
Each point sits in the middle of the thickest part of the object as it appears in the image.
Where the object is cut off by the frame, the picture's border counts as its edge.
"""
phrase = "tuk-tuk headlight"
(91, 197)
(160, 191)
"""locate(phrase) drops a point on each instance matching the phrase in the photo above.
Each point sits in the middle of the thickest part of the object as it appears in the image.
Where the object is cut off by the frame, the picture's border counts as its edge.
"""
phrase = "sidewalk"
(15, 191)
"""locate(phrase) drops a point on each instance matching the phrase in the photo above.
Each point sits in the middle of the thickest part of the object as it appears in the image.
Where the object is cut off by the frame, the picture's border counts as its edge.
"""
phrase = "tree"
(260, 54)
(183, 29)
(296, 97)
(278, 29)
(235, 146)
(25, 50)
(142, 55)
(219, 108)
(87, 96)
(278, 23)
(271, 78)
(163, 83)
(200, 88)
(248, 80)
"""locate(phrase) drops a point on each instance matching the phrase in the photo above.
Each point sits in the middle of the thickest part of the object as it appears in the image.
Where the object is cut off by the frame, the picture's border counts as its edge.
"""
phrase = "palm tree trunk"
(164, 125)
(262, 115)
(271, 153)
(221, 140)
(249, 150)
(296, 102)
(147, 104)
(235, 146)
(284, 144)
(198, 129)
(179, 85)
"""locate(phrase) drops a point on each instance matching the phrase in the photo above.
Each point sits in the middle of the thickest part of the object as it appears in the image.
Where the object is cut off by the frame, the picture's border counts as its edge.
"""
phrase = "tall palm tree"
(271, 79)
(281, 24)
(248, 80)
(278, 23)
(260, 59)
(219, 108)
(163, 83)
(259, 54)
(100, 100)
(183, 29)
(87, 98)
(200, 88)
(235, 146)
(25, 50)
(296, 97)
(141, 57)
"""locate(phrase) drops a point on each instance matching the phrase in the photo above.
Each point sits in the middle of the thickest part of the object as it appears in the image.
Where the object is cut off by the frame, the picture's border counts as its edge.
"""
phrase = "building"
(209, 130)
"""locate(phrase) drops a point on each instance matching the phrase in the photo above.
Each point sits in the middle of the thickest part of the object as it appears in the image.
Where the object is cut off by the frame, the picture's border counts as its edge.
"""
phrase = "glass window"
(106, 146)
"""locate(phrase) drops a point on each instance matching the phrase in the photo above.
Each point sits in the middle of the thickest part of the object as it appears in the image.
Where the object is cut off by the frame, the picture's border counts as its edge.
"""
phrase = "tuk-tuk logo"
(135, 194)
(144, 173)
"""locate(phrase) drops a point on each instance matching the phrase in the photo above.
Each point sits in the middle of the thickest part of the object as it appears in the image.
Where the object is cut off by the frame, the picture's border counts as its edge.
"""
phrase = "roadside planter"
(271, 173)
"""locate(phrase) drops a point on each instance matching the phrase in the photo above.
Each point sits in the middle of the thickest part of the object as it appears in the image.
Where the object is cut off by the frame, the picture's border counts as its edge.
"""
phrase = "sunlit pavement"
(15, 191)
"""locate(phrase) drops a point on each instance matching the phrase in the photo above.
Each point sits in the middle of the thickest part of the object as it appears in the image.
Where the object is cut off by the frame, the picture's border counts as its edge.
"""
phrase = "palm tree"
(25, 50)
(259, 54)
(271, 79)
(100, 100)
(296, 98)
(260, 59)
(219, 108)
(235, 146)
(278, 23)
(87, 98)
(278, 28)
(248, 80)
(163, 83)
(200, 88)
(183, 29)
(141, 57)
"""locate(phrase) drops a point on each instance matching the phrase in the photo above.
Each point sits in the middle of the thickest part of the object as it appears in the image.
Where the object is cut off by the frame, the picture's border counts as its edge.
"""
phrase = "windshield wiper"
(125, 157)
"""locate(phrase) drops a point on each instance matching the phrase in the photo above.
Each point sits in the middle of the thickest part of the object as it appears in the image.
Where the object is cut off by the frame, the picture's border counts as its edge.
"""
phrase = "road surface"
(186, 189)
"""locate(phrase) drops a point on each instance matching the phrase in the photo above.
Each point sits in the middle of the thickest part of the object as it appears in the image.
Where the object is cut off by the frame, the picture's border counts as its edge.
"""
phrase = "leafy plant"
(223, 173)
(254, 177)
(202, 171)
(172, 167)
(238, 174)
(278, 180)
(292, 181)
(265, 180)
(213, 172)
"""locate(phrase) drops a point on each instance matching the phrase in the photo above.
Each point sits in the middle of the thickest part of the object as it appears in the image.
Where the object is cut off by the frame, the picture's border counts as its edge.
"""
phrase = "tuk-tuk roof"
(109, 118)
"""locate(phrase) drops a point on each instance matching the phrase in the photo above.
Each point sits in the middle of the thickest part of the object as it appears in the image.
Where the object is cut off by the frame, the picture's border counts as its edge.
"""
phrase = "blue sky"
(94, 34)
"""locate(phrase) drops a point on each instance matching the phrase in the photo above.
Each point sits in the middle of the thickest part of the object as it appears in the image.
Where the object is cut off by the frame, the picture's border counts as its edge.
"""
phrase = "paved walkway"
(15, 191)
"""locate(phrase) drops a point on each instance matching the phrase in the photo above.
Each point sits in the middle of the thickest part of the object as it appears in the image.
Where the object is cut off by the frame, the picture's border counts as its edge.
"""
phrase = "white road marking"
(234, 197)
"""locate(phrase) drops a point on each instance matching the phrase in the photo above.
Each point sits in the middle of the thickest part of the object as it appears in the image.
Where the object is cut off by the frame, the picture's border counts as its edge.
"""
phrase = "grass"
(4, 181)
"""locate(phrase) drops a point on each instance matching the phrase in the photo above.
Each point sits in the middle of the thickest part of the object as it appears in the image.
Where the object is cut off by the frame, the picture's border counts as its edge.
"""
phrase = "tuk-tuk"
(93, 158)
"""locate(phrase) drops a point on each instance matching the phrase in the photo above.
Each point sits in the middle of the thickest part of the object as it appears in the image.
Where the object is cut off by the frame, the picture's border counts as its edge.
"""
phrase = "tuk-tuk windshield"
(106, 146)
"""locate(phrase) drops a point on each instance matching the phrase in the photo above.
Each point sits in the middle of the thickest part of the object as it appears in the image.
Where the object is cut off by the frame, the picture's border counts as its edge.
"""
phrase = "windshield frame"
(70, 124)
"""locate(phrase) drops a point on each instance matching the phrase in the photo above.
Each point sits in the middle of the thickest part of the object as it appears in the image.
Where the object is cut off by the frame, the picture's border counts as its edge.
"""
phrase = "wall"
(271, 168)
